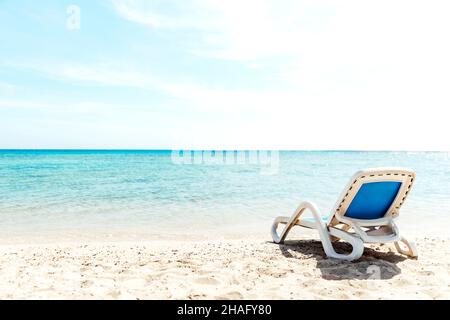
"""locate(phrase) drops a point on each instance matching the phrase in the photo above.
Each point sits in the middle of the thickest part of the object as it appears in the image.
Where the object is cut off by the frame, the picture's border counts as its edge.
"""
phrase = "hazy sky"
(225, 74)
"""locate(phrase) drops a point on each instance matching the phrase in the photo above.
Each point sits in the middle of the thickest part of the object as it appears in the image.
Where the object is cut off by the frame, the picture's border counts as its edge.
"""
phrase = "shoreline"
(245, 268)
(411, 228)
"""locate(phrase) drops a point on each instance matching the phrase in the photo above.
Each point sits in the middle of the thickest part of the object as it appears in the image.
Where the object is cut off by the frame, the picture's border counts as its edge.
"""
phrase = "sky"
(210, 74)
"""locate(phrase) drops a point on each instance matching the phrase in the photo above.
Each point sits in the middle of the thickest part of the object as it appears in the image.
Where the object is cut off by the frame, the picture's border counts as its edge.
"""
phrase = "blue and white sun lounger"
(364, 212)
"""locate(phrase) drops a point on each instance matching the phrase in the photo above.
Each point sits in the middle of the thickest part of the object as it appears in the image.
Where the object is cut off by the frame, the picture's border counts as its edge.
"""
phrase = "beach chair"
(364, 213)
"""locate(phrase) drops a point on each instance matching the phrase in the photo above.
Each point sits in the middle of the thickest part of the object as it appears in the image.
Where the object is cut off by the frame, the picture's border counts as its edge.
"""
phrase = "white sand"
(241, 269)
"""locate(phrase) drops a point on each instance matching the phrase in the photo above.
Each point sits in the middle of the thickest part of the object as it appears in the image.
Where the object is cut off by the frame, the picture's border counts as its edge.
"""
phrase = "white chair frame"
(355, 231)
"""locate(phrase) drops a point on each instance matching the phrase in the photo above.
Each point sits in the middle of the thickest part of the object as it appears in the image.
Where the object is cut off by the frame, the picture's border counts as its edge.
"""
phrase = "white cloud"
(7, 87)
(193, 95)
(110, 74)
(61, 107)
(386, 116)
(168, 14)
(358, 31)
(233, 29)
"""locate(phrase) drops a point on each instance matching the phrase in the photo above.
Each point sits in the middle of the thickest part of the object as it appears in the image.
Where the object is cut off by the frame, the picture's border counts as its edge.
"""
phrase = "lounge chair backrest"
(374, 194)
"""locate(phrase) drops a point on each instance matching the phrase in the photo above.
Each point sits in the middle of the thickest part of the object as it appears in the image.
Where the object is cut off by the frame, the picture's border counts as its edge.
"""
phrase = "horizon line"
(209, 149)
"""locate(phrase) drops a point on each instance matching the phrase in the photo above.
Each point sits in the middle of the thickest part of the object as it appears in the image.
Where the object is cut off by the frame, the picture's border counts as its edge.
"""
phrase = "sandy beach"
(251, 268)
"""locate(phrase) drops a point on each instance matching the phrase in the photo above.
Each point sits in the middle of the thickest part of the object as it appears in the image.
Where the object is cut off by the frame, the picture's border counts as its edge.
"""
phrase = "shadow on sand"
(372, 265)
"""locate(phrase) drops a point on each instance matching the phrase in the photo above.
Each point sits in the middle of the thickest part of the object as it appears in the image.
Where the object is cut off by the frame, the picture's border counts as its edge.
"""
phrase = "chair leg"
(325, 237)
(275, 236)
(292, 221)
(325, 233)
(411, 251)
(356, 243)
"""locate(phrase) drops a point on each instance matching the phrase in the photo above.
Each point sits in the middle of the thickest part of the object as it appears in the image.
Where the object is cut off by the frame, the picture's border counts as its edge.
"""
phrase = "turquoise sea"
(150, 192)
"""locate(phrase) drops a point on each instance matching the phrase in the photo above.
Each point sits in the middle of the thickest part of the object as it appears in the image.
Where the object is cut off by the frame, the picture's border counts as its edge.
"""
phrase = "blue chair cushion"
(373, 200)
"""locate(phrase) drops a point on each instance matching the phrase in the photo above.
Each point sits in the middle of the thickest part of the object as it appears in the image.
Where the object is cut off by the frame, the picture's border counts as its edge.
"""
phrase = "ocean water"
(154, 192)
